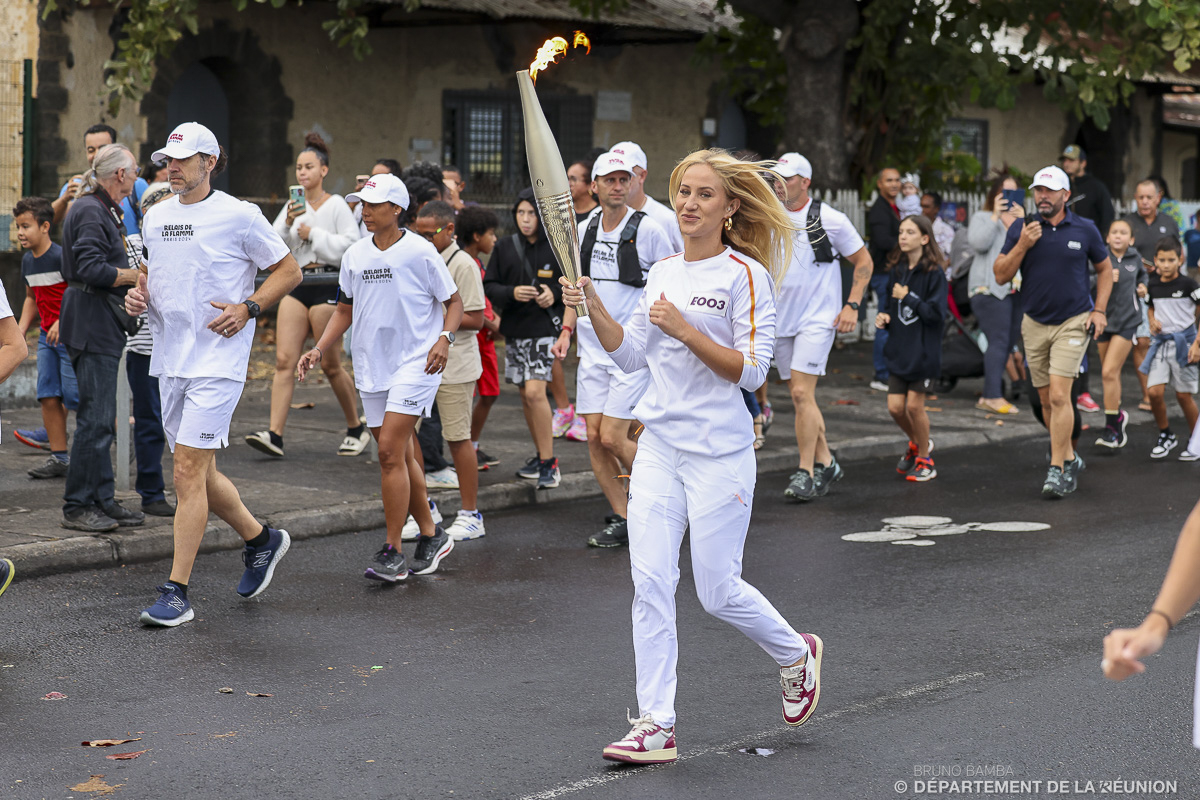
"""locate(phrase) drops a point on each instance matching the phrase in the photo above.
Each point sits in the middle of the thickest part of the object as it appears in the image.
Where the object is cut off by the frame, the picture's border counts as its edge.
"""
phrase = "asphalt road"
(504, 675)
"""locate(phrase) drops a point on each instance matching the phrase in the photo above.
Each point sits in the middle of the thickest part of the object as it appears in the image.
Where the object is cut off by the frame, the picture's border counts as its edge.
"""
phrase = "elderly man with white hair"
(97, 271)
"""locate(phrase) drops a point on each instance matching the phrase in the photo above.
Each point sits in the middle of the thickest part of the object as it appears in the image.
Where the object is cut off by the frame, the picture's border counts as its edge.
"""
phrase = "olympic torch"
(546, 170)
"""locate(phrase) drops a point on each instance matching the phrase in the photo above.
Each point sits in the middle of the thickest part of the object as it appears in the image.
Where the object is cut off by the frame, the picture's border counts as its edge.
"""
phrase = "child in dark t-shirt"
(1173, 300)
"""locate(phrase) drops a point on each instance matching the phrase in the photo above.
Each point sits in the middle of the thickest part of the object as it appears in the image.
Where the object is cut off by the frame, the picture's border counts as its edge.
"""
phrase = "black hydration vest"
(629, 266)
(821, 246)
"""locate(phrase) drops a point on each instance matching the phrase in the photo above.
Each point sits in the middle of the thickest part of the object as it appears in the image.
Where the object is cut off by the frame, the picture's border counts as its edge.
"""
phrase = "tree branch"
(773, 12)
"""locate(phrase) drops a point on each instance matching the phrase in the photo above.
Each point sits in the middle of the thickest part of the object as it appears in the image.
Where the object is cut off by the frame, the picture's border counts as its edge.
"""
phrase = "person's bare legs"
(538, 417)
(199, 488)
(331, 364)
(418, 496)
(1188, 403)
(291, 329)
(615, 436)
(1158, 405)
(395, 437)
(463, 456)
(479, 415)
(918, 421)
(895, 404)
(1060, 418)
(810, 423)
(606, 467)
(1141, 347)
(558, 385)
(1113, 355)
(54, 417)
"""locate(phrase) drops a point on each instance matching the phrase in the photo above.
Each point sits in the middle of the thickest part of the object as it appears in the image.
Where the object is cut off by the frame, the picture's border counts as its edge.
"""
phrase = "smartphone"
(1016, 197)
(296, 194)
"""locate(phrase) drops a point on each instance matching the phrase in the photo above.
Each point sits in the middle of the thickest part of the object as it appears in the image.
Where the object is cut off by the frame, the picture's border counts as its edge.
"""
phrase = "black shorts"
(1128, 333)
(312, 294)
(898, 385)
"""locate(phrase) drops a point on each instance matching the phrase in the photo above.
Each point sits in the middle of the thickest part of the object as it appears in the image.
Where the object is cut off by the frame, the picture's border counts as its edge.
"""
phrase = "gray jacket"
(986, 236)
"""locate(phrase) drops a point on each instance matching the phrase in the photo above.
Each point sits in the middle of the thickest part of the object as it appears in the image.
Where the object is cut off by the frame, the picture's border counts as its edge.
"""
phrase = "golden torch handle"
(558, 217)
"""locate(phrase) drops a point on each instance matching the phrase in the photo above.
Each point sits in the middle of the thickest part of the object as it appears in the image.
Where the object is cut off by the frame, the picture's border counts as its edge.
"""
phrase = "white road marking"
(749, 741)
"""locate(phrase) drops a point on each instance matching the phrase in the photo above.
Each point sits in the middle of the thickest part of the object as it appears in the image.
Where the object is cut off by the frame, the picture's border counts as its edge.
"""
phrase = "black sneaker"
(430, 552)
(907, 461)
(90, 520)
(125, 517)
(1073, 467)
(1166, 443)
(1110, 439)
(532, 469)
(480, 461)
(615, 533)
(53, 468)
(485, 459)
(158, 508)
(548, 475)
(7, 570)
(388, 565)
(1058, 484)
(825, 476)
(801, 488)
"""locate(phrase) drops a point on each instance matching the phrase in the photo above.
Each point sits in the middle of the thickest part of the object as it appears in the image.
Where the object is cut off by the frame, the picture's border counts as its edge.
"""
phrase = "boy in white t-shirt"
(618, 247)
(13, 351)
(396, 289)
(203, 249)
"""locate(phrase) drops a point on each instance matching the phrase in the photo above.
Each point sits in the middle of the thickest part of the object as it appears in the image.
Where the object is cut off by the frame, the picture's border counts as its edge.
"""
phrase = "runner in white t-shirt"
(604, 394)
(203, 249)
(811, 314)
(13, 351)
(397, 291)
(661, 213)
(704, 328)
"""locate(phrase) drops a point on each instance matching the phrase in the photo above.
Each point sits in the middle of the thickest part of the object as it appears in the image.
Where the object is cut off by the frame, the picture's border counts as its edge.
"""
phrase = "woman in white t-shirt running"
(318, 230)
(396, 289)
(705, 327)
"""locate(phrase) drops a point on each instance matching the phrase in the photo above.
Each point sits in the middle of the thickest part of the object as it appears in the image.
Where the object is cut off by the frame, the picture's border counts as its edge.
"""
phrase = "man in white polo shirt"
(203, 249)
(617, 248)
(810, 313)
(638, 200)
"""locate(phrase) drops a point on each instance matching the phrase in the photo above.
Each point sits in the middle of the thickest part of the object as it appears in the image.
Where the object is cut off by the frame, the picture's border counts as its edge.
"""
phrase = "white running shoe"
(412, 530)
(1188, 455)
(466, 525)
(647, 743)
(354, 445)
(445, 478)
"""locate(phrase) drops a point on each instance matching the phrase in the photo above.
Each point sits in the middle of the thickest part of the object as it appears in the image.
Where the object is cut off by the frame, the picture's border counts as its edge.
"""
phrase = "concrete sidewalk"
(313, 492)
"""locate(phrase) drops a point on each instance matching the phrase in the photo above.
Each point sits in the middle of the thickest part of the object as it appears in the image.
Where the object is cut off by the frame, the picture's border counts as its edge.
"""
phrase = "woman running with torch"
(705, 326)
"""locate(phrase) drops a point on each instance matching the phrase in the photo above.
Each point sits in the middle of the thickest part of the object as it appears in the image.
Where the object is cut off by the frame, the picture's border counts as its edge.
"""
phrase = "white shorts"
(1165, 369)
(806, 352)
(196, 412)
(607, 389)
(416, 401)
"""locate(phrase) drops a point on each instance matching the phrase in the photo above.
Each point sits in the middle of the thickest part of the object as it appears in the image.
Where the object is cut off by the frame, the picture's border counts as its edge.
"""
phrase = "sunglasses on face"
(430, 236)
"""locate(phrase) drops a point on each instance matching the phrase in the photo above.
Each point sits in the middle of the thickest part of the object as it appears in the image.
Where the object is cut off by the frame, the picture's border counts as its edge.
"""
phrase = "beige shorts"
(1054, 349)
(454, 407)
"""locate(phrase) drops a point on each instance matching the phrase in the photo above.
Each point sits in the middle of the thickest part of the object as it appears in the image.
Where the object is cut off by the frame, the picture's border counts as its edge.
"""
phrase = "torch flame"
(551, 49)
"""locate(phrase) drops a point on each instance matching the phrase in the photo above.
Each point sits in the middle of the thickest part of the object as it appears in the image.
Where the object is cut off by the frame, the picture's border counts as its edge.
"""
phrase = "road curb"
(133, 546)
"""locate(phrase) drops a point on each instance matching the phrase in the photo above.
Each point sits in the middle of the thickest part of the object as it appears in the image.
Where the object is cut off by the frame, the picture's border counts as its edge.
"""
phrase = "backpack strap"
(821, 246)
(588, 245)
(629, 265)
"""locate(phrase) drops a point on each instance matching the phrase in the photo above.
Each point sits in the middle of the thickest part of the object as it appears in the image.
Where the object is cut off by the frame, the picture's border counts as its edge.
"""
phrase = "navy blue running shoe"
(260, 563)
(171, 608)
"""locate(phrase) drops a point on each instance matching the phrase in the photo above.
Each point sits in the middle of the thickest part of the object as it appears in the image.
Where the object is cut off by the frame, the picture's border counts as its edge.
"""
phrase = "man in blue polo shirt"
(1053, 255)
(94, 138)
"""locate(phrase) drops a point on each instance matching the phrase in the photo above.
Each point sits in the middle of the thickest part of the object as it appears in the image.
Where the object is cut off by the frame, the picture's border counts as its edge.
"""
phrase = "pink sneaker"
(578, 430)
(647, 743)
(563, 417)
(802, 684)
(1085, 403)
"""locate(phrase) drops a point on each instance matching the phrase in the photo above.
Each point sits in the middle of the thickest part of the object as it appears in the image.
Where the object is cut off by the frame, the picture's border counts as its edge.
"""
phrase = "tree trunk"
(814, 49)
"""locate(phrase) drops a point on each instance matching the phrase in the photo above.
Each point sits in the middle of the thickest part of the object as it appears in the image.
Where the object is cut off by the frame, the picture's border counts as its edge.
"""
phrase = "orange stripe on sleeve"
(753, 324)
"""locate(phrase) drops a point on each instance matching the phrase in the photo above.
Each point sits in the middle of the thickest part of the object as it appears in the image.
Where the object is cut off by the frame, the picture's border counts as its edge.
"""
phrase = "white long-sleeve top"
(729, 298)
(333, 230)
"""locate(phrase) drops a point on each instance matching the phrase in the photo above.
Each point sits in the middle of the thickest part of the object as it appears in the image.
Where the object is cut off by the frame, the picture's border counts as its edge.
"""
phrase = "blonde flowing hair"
(761, 228)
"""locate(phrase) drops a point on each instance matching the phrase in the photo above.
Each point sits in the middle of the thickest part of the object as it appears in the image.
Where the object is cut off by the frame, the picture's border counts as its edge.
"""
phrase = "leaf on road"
(96, 784)
(225, 690)
(845, 402)
(304, 405)
(999, 422)
(108, 742)
(224, 735)
(259, 694)
(376, 667)
(125, 756)
(55, 696)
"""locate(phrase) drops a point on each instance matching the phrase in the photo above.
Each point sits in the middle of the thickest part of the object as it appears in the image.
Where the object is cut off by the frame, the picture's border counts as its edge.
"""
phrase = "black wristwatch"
(253, 308)
(853, 305)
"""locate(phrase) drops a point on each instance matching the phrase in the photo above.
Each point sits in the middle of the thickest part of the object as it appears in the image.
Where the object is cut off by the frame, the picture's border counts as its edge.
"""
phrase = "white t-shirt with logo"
(665, 216)
(811, 291)
(5, 308)
(198, 254)
(397, 296)
(619, 299)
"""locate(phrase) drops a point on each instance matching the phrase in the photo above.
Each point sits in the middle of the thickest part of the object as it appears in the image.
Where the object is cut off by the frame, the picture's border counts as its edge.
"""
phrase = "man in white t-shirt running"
(638, 200)
(810, 315)
(617, 248)
(203, 249)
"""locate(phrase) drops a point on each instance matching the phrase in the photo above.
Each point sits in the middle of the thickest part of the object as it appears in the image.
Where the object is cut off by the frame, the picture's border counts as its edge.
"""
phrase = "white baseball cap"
(611, 162)
(385, 188)
(187, 140)
(791, 164)
(632, 152)
(1051, 178)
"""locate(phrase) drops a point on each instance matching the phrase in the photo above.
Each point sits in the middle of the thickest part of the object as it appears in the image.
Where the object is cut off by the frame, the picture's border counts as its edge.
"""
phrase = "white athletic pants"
(669, 489)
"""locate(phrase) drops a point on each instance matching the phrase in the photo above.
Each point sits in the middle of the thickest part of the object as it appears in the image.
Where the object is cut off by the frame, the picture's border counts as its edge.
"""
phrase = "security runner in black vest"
(810, 311)
(619, 245)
